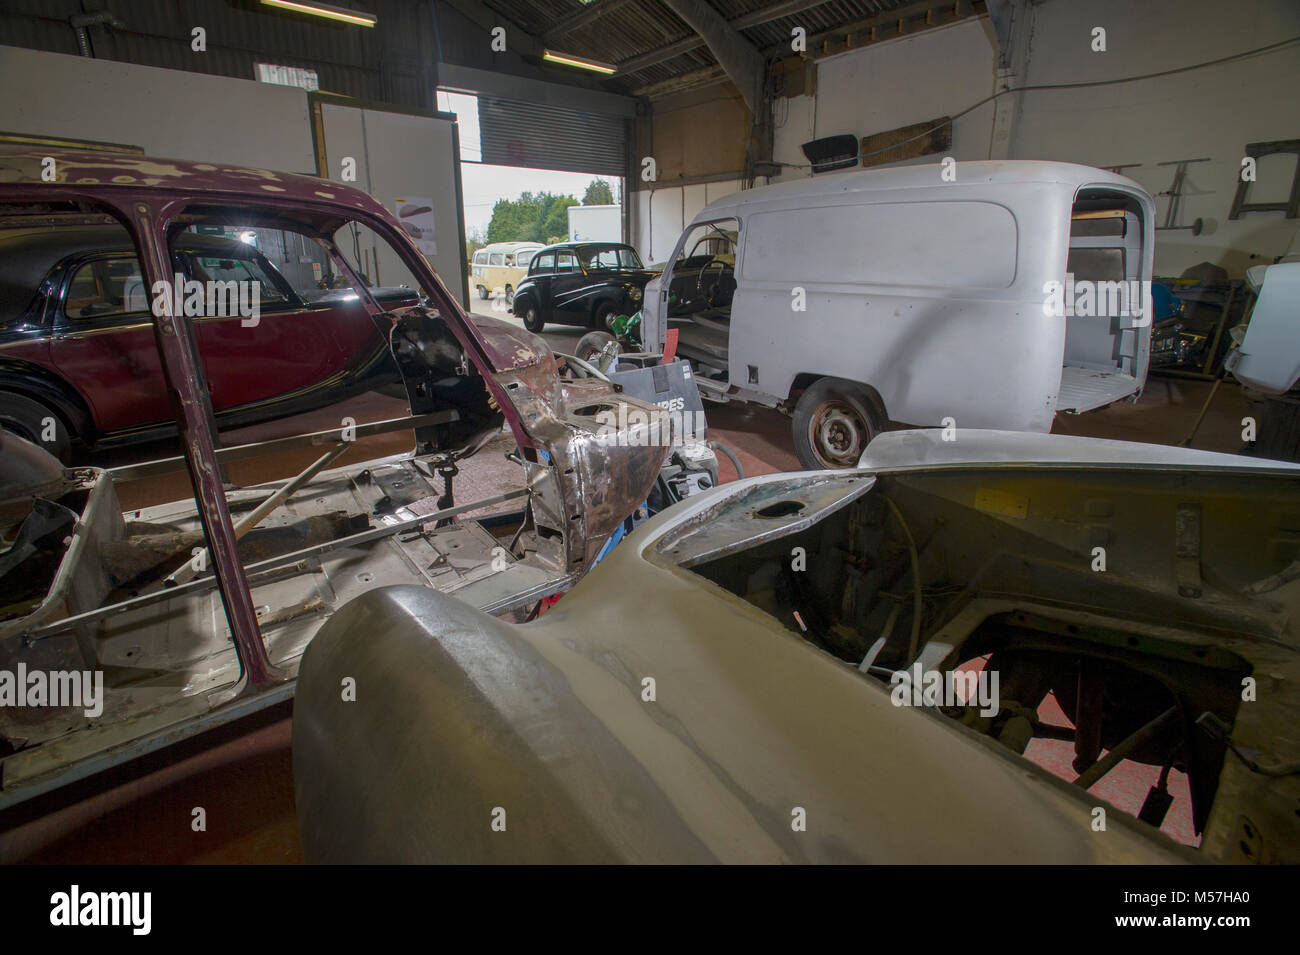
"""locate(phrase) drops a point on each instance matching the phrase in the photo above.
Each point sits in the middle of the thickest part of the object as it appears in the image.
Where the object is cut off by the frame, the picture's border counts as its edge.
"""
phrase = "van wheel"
(26, 418)
(532, 319)
(482, 293)
(834, 420)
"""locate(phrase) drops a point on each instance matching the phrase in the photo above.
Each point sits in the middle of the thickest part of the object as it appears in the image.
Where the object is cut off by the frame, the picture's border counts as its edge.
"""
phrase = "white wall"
(859, 94)
(169, 113)
(402, 156)
(1212, 112)
(657, 218)
(892, 84)
(218, 119)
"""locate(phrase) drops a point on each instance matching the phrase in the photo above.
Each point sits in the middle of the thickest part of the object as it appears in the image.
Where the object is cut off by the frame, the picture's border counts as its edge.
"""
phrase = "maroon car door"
(103, 343)
(288, 349)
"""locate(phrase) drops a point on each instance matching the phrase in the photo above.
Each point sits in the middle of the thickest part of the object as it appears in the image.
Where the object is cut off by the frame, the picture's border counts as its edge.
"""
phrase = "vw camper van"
(967, 295)
(498, 268)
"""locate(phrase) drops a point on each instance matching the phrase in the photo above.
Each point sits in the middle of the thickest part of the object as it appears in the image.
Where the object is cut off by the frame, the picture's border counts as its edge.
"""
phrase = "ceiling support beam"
(744, 64)
(518, 39)
(787, 8)
(579, 20)
(705, 76)
(1011, 24)
(903, 21)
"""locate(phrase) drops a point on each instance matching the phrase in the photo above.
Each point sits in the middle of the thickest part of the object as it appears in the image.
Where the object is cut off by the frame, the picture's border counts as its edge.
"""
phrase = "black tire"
(533, 320)
(602, 315)
(592, 344)
(834, 421)
(27, 418)
(482, 293)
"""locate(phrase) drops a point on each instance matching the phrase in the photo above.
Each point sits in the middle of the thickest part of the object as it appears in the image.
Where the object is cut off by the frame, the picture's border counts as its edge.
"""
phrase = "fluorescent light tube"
(342, 14)
(581, 63)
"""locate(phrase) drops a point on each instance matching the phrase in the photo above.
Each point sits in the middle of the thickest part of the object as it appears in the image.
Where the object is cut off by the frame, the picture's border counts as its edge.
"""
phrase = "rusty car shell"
(672, 708)
(213, 641)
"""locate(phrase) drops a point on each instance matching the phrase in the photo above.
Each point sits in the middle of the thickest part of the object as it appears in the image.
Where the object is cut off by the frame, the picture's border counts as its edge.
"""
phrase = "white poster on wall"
(416, 217)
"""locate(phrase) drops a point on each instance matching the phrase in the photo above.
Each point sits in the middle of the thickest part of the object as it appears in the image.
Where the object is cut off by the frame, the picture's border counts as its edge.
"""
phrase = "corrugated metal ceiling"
(651, 43)
(632, 32)
(391, 63)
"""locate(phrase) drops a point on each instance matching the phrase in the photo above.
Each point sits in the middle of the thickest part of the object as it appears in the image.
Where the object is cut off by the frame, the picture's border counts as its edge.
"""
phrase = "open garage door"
(546, 136)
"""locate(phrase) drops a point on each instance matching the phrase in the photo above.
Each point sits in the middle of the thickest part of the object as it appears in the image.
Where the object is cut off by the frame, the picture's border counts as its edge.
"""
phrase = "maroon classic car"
(77, 345)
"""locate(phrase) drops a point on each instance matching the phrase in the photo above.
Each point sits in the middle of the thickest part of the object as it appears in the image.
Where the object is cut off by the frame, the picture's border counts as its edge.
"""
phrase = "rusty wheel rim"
(838, 434)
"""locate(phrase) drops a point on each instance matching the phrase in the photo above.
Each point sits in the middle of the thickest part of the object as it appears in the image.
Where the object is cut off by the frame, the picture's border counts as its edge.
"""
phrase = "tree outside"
(598, 194)
(533, 217)
(536, 217)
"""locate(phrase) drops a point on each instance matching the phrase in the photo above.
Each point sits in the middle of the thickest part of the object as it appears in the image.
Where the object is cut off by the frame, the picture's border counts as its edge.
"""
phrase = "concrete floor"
(241, 774)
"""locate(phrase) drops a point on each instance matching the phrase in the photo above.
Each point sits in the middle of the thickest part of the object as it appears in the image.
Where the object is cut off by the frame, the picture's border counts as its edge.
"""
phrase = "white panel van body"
(916, 294)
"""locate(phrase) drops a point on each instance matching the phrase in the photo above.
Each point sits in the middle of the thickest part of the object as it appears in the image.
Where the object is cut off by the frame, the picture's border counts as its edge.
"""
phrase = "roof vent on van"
(832, 152)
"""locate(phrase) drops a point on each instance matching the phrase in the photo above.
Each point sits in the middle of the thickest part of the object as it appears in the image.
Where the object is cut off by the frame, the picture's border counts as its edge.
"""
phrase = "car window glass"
(543, 263)
(297, 259)
(104, 288)
(566, 262)
(247, 255)
(612, 258)
(497, 258)
(523, 258)
(221, 268)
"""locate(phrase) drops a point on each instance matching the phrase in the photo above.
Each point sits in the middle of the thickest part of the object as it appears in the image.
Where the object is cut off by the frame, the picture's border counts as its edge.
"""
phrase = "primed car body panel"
(547, 722)
(748, 722)
(979, 350)
(1268, 358)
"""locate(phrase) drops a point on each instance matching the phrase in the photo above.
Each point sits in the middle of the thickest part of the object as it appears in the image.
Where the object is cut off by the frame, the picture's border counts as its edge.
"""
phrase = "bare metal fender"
(460, 719)
(454, 717)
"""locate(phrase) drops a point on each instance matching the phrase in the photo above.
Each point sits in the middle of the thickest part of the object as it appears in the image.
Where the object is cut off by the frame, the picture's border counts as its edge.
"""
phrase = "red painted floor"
(241, 775)
(144, 812)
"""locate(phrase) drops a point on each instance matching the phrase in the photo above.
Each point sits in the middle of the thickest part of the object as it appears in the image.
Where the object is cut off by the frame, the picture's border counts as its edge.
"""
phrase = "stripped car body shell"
(190, 657)
(684, 718)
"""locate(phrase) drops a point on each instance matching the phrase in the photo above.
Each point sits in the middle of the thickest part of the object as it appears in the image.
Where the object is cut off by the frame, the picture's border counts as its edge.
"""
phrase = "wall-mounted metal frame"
(1292, 206)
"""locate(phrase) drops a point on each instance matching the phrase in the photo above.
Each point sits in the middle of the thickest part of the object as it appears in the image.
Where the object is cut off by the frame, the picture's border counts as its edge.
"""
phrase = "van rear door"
(1105, 299)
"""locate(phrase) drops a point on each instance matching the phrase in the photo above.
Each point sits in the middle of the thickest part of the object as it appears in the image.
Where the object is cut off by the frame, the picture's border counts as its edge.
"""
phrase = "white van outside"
(974, 295)
(497, 268)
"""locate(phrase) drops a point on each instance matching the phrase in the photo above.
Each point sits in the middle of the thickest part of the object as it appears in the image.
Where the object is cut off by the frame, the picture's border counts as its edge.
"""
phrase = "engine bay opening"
(1117, 674)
